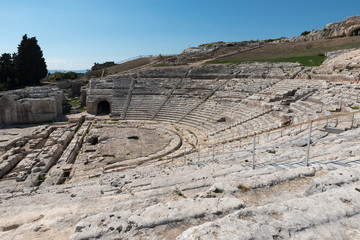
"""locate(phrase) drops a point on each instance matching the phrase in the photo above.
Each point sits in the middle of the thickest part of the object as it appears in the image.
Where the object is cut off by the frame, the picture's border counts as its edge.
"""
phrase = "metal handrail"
(284, 127)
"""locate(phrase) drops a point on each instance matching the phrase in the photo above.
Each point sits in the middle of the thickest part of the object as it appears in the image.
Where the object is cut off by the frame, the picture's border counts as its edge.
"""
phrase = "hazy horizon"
(51, 71)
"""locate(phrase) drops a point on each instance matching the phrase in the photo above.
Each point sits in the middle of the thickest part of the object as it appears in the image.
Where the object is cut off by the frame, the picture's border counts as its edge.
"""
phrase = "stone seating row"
(244, 87)
(175, 107)
(118, 104)
(144, 106)
(337, 95)
(304, 111)
(261, 123)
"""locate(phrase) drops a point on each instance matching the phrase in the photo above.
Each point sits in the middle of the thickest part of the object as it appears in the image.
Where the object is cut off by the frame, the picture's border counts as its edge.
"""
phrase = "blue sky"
(74, 34)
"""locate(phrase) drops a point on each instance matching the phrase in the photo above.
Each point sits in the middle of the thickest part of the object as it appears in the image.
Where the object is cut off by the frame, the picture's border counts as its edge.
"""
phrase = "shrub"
(41, 178)
(243, 188)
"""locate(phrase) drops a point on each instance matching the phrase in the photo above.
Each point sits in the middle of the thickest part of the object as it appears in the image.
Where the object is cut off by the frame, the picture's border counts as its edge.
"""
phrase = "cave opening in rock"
(356, 32)
(103, 108)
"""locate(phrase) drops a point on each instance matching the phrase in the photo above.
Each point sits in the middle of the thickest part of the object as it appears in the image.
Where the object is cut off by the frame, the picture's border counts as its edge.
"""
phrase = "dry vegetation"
(128, 65)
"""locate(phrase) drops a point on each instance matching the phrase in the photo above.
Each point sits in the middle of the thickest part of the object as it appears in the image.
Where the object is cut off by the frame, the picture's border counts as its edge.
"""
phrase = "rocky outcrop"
(347, 28)
(31, 105)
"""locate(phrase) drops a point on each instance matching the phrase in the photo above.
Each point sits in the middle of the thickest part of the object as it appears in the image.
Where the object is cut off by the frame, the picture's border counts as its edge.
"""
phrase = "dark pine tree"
(30, 64)
(7, 71)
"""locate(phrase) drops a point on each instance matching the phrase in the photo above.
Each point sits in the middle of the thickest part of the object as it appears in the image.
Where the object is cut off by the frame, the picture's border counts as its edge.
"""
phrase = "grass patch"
(308, 53)
(178, 134)
(74, 102)
(310, 61)
(192, 145)
(191, 132)
(111, 122)
(161, 65)
(78, 127)
(355, 107)
(160, 159)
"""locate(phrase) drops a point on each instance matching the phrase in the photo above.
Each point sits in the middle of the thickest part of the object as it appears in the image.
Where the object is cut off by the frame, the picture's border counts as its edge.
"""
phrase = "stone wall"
(31, 105)
(71, 88)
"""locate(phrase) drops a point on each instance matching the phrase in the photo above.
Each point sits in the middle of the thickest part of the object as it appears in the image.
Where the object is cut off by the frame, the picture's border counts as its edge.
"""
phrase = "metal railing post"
(253, 158)
(308, 145)
(213, 153)
(184, 156)
(32, 182)
(198, 153)
(341, 104)
(352, 120)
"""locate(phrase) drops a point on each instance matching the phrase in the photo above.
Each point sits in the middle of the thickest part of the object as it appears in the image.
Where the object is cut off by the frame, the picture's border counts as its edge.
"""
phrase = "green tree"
(30, 64)
(55, 76)
(70, 75)
(62, 76)
(7, 71)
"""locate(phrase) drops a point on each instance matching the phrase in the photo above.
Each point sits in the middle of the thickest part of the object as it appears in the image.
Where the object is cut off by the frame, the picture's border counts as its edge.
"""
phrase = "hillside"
(307, 49)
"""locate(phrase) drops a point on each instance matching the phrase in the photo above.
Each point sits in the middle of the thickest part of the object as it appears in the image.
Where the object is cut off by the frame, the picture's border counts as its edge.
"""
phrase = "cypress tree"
(29, 64)
(7, 71)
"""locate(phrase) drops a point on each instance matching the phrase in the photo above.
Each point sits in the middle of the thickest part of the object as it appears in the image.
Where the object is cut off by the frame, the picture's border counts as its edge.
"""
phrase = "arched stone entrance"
(103, 108)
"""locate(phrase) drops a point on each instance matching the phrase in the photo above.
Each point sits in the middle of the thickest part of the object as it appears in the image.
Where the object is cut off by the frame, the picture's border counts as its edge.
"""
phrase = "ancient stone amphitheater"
(245, 151)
